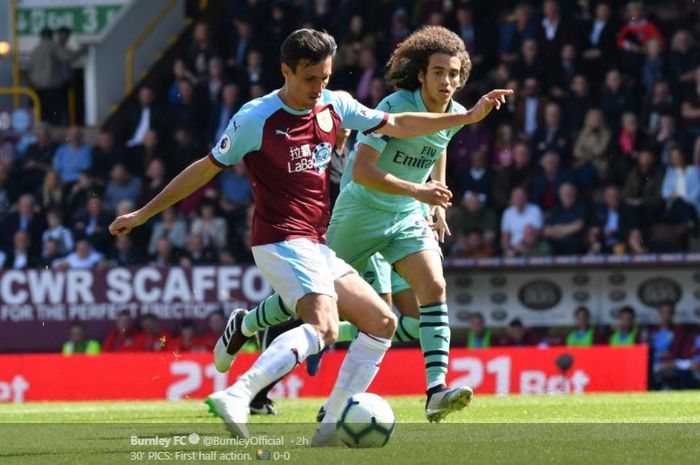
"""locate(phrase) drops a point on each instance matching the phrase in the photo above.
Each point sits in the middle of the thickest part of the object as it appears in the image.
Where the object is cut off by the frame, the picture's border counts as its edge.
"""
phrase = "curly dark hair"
(413, 54)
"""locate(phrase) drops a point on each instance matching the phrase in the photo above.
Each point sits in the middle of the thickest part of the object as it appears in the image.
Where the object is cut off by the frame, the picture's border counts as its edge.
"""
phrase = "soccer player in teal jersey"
(380, 210)
(428, 68)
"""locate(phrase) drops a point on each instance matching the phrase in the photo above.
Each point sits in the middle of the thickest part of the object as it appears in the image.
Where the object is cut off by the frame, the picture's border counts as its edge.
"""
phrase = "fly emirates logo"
(303, 158)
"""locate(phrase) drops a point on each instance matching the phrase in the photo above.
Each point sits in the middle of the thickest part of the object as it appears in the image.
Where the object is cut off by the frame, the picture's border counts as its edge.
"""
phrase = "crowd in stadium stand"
(597, 153)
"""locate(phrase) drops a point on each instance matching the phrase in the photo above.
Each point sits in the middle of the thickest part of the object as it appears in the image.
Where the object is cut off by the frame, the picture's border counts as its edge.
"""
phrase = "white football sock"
(282, 355)
(359, 368)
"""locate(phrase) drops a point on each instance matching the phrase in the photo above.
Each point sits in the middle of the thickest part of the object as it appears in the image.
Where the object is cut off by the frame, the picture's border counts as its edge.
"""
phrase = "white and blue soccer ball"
(367, 420)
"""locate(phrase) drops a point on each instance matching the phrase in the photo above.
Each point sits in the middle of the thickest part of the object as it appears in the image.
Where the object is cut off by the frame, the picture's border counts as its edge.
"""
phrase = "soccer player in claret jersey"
(285, 139)
(381, 210)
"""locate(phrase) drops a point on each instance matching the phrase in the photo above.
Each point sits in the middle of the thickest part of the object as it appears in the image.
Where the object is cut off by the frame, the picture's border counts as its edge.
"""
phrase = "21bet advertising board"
(176, 376)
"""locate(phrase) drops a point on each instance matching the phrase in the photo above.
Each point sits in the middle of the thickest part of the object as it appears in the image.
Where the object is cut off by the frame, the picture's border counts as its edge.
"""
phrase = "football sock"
(435, 342)
(359, 368)
(284, 353)
(269, 312)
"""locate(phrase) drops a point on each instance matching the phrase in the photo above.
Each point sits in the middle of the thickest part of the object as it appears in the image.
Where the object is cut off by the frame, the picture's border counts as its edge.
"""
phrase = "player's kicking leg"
(423, 271)
(361, 306)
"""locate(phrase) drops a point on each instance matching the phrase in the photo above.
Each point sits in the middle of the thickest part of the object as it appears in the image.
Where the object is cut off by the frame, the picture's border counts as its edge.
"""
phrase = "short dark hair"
(582, 310)
(307, 45)
(629, 310)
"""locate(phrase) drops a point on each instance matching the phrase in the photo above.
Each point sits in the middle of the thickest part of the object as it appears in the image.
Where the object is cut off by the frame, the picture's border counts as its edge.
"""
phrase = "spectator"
(554, 32)
(20, 256)
(180, 72)
(26, 220)
(123, 337)
(215, 81)
(212, 228)
(186, 113)
(472, 36)
(122, 186)
(84, 257)
(521, 173)
(461, 150)
(241, 44)
(529, 108)
(51, 191)
(170, 227)
(629, 140)
(164, 255)
(46, 73)
(690, 108)
(92, 223)
(528, 65)
(666, 344)
(551, 137)
(201, 50)
(143, 117)
(368, 71)
(642, 189)
(79, 194)
(681, 189)
(503, 146)
(479, 336)
(38, 159)
(236, 191)
(654, 64)
(124, 253)
(633, 37)
(599, 51)
(216, 324)
(49, 254)
(58, 232)
(532, 245)
(545, 186)
(223, 111)
(565, 223)
(156, 179)
(659, 103)
(185, 151)
(516, 218)
(517, 335)
(615, 100)
(197, 253)
(187, 341)
(577, 103)
(152, 337)
(562, 73)
(627, 333)
(514, 32)
(472, 217)
(591, 149)
(72, 157)
(683, 60)
(151, 148)
(615, 219)
(478, 177)
(78, 343)
(106, 154)
(583, 334)
(666, 138)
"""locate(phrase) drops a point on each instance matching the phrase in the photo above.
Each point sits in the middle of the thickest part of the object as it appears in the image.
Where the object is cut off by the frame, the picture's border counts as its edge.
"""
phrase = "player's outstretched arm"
(366, 172)
(189, 180)
(404, 125)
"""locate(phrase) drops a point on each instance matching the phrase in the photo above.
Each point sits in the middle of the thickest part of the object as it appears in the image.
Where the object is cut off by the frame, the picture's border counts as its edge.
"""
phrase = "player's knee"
(434, 289)
(386, 326)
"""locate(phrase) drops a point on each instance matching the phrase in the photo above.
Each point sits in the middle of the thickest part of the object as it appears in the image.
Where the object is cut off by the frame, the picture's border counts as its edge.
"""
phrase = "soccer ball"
(366, 421)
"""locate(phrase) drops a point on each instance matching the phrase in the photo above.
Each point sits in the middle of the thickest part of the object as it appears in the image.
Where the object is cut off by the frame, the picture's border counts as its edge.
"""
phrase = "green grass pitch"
(648, 428)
